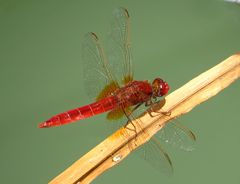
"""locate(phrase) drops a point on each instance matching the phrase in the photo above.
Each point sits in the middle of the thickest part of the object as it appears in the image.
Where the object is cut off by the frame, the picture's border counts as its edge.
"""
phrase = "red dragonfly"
(117, 96)
(110, 82)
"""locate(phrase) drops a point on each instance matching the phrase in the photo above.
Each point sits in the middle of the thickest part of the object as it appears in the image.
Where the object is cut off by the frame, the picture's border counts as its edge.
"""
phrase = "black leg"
(129, 119)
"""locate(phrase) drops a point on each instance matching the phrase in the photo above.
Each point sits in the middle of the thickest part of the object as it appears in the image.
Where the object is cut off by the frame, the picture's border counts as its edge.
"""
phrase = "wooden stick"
(116, 147)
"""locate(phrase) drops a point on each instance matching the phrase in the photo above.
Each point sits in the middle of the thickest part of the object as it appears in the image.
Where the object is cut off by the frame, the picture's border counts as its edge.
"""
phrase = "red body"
(132, 94)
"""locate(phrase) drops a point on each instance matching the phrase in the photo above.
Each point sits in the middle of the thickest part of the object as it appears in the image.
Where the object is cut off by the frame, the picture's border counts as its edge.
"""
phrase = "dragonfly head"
(159, 87)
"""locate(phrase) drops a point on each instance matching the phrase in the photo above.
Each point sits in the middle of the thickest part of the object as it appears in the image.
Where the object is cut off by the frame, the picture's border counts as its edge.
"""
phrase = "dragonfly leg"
(160, 105)
(134, 127)
(165, 113)
(128, 114)
(130, 120)
(135, 108)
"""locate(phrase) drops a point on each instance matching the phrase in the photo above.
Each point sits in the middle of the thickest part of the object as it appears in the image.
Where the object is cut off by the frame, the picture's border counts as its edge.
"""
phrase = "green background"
(41, 75)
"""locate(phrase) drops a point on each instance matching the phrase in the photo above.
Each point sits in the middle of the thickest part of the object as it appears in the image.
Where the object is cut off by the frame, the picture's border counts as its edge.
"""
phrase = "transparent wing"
(95, 65)
(173, 133)
(120, 46)
(152, 152)
(155, 155)
(177, 135)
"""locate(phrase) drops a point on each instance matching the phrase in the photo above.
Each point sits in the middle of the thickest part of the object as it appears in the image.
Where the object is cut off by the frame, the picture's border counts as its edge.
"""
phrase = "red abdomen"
(70, 116)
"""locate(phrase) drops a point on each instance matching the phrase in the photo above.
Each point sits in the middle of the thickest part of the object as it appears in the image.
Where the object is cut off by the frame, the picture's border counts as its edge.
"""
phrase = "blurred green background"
(41, 75)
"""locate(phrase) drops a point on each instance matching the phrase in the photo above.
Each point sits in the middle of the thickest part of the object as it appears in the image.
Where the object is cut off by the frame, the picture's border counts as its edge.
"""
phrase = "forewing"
(120, 46)
(95, 65)
(177, 135)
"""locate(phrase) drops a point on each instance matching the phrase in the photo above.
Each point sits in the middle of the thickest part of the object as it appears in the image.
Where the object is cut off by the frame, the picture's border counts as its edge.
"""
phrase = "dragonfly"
(117, 96)
(110, 82)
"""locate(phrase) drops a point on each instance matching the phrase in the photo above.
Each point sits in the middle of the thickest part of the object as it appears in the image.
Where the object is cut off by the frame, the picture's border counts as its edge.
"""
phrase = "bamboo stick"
(116, 147)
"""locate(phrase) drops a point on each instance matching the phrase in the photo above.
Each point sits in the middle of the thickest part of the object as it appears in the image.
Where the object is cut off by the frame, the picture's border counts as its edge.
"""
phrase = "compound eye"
(164, 89)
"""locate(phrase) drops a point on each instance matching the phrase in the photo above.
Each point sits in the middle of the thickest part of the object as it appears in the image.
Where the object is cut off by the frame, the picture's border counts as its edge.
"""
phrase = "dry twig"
(116, 147)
